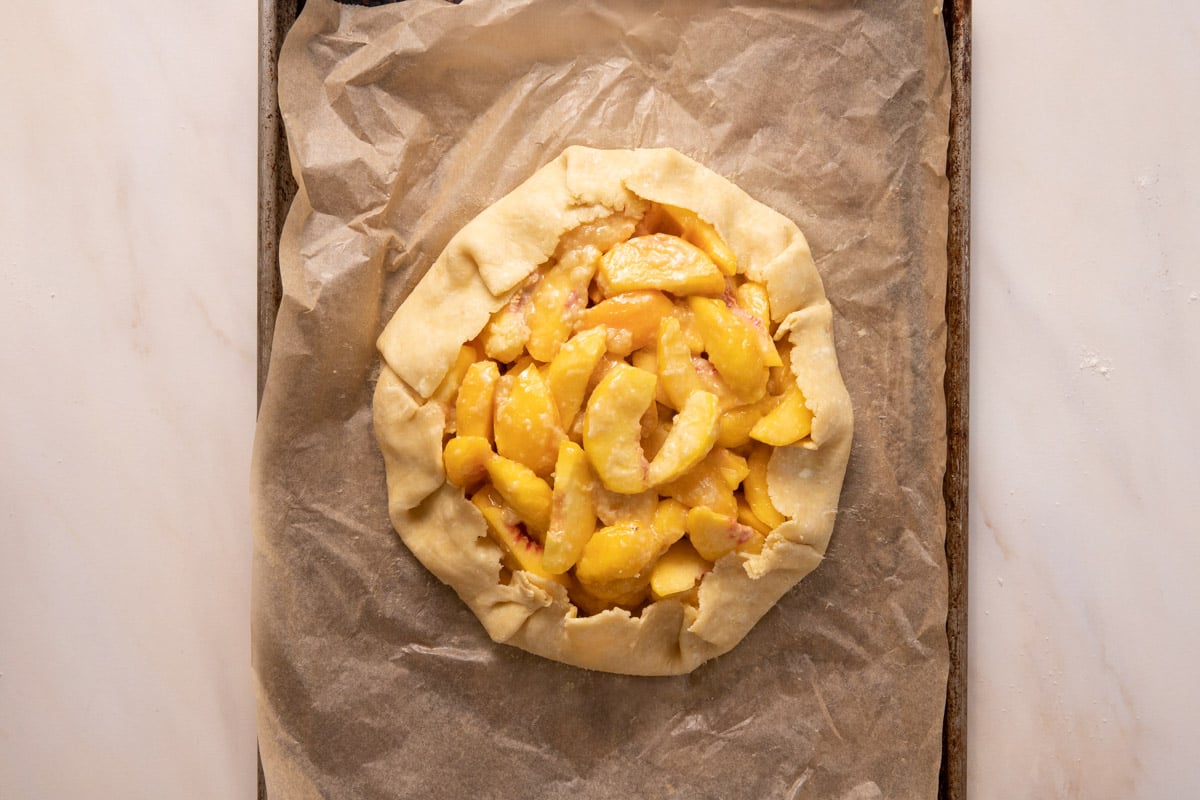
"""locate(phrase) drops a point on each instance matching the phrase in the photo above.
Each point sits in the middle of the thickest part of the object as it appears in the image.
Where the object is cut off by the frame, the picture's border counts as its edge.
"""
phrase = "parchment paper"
(404, 121)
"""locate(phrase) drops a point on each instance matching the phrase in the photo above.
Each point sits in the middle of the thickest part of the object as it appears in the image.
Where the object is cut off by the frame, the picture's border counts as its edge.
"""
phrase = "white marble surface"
(127, 267)
(127, 256)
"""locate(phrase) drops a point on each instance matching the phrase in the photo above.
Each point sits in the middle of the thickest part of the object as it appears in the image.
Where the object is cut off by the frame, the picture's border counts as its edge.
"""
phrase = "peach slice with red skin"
(557, 302)
(754, 305)
(732, 346)
(524, 492)
(506, 530)
(716, 535)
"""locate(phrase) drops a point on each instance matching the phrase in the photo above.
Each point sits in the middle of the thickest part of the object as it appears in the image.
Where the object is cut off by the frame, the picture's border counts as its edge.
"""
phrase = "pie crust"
(473, 278)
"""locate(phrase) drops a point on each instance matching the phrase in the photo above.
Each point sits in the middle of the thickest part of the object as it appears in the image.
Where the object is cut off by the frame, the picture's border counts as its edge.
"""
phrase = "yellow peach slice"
(659, 261)
(737, 422)
(631, 318)
(629, 593)
(557, 302)
(732, 346)
(701, 233)
(571, 370)
(613, 507)
(703, 485)
(447, 389)
(676, 373)
(692, 436)
(612, 429)
(670, 521)
(678, 571)
(503, 527)
(755, 488)
(715, 535)
(504, 337)
(617, 552)
(653, 441)
(753, 305)
(732, 468)
(473, 409)
(711, 381)
(526, 423)
(746, 516)
(789, 422)
(572, 509)
(466, 458)
(687, 324)
(524, 492)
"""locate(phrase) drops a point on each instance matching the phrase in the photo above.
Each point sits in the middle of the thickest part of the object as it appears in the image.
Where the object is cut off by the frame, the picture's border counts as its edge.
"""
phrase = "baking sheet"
(271, 213)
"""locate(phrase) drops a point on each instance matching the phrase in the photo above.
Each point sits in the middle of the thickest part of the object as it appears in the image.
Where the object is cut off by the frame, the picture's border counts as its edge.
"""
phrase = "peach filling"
(613, 421)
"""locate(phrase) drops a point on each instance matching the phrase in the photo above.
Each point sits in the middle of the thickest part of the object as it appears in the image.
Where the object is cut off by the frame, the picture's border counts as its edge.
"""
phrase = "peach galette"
(611, 414)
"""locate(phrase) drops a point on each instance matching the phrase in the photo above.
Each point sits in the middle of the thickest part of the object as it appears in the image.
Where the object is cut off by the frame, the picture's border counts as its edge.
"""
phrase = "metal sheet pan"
(276, 188)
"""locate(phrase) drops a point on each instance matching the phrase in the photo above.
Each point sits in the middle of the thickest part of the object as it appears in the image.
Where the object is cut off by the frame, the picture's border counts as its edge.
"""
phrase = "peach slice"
(466, 459)
(572, 509)
(703, 485)
(715, 535)
(631, 318)
(754, 306)
(617, 552)
(557, 302)
(571, 370)
(676, 373)
(504, 337)
(476, 395)
(504, 528)
(526, 424)
(592, 598)
(612, 429)
(687, 324)
(789, 422)
(732, 346)
(446, 390)
(525, 493)
(678, 571)
(613, 507)
(746, 516)
(711, 381)
(670, 521)
(732, 468)
(692, 436)
(659, 261)
(737, 422)
(653, 441)
(698, 231)
(755, 488)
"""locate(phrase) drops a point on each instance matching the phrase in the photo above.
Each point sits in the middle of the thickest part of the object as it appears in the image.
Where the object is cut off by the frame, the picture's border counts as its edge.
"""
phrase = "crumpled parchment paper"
(404, 121)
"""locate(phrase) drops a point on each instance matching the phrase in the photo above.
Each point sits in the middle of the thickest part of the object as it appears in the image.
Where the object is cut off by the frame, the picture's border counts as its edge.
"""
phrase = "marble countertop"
(128, 272)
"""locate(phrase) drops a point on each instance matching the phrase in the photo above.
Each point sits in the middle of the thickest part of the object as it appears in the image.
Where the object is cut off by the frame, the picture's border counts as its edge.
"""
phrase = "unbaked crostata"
(611, 413)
